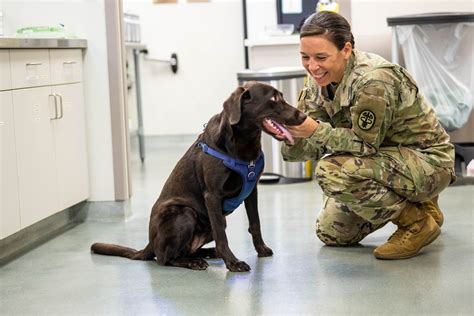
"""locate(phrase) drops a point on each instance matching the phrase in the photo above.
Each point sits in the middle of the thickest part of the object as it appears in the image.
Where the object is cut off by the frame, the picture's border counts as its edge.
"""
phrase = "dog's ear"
(233, 106)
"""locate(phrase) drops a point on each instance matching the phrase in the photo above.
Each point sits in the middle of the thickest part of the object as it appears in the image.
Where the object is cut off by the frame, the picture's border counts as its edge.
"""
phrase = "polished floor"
(304, 277)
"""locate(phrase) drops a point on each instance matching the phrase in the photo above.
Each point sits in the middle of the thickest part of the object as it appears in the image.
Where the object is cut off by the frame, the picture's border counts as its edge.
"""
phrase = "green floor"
(61, 277)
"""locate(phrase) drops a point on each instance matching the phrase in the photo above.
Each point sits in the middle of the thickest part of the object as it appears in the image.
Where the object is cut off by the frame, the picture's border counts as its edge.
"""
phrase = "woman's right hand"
(305, 129)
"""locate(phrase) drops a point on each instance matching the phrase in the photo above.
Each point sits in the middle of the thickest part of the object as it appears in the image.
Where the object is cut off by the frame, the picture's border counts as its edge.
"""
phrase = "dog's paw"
(238, 266)
(264, 251)
(198, 264)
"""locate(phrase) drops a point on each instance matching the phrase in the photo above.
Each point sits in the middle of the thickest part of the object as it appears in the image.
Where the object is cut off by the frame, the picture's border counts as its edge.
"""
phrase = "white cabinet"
(9, 202)
(47, 133)
(276, 51)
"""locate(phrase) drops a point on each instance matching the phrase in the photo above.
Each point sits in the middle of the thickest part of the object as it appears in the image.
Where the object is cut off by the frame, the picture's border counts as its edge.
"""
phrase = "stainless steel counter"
(13, 42)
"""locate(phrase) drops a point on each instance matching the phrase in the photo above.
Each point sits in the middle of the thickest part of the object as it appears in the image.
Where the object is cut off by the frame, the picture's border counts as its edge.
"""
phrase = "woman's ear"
(347, 50)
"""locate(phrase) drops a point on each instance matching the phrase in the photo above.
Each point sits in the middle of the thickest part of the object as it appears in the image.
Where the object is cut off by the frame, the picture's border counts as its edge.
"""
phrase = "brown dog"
(190, 211)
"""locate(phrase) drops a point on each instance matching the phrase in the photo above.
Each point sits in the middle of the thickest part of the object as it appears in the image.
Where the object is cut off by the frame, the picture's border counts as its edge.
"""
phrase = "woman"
(381, 153)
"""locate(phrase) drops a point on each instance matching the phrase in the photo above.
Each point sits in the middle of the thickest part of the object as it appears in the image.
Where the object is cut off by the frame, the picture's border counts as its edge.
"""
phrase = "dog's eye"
(274, 98)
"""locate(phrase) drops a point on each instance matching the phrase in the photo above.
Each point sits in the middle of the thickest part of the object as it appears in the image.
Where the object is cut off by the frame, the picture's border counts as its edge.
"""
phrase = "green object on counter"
(58, 31)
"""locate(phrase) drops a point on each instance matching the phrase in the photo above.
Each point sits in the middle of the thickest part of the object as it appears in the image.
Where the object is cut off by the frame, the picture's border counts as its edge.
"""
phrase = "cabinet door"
(70, 145)
(9, 203)
(37, 180)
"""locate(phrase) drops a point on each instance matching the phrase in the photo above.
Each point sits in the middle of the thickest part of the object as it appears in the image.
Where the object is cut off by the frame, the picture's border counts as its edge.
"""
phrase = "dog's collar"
(249, 171)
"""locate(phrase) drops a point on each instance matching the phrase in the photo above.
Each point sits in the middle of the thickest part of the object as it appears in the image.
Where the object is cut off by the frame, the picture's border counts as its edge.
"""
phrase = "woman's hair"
(329, 24)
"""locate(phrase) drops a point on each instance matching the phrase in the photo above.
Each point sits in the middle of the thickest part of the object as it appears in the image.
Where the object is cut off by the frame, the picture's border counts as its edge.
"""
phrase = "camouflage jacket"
(377, 104)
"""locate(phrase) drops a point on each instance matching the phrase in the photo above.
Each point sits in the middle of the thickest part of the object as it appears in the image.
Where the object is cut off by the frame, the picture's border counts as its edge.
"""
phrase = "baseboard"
(105, 211)
(37, 234)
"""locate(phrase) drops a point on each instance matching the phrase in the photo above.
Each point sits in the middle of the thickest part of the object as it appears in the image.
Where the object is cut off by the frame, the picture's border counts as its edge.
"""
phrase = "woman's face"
(323, 60)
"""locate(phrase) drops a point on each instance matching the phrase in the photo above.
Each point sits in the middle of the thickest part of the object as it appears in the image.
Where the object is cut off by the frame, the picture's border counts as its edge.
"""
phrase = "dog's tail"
(121, 251)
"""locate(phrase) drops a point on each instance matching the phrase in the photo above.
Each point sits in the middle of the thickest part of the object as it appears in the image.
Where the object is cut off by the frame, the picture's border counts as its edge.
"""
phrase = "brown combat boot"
(416, 229)
(431, 207)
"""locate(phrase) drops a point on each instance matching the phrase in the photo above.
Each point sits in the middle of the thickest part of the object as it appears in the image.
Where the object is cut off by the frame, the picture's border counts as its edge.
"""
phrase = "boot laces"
(400, 236)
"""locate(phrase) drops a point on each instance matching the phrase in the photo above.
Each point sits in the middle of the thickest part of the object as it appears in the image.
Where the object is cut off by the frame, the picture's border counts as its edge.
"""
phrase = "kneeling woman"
(381, 153)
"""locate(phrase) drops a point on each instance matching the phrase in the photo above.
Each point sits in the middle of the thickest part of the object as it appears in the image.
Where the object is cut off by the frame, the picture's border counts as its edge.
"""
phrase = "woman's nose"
(313, 66)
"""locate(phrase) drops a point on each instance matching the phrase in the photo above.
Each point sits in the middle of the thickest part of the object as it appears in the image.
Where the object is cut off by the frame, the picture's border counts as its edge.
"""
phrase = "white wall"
(86, 19)
(208, 38)
(260, 13)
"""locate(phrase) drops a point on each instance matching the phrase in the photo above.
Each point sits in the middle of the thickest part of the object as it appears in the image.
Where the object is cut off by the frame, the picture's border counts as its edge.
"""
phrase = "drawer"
(5, 75)
(29, 68)
(66, 65)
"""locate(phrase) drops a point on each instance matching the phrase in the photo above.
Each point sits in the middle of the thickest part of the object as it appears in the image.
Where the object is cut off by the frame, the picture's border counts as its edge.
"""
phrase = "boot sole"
(428, 241)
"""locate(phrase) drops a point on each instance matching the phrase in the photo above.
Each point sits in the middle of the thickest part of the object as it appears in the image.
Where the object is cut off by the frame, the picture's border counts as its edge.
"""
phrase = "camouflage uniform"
(378, 146)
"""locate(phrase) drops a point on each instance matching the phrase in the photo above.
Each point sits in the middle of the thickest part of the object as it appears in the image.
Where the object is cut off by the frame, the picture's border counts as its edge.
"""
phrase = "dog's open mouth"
(275, 128)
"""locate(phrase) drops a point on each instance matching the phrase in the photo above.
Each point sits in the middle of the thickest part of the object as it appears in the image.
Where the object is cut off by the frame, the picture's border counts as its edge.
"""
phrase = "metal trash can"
(289, 80)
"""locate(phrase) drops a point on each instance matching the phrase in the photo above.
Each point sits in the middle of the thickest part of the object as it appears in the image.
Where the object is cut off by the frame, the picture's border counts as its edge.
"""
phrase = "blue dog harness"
(249, 171)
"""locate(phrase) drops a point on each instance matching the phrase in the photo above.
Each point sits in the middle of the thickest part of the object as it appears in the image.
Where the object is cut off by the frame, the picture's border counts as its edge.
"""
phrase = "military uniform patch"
(366, 120)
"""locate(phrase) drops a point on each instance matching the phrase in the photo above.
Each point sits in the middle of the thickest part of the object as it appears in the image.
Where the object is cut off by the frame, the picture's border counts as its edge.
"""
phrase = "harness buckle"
(251, 168)
(203, 146)
(251, 175)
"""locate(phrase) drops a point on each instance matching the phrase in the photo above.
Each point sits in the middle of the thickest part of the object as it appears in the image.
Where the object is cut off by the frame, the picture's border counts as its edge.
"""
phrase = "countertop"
(14, 42)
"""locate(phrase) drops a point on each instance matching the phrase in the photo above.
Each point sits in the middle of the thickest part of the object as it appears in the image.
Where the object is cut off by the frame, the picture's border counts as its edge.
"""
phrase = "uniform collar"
(343, 93)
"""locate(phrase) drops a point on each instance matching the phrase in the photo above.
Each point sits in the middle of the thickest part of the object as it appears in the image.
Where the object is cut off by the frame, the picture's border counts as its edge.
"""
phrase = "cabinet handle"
(34, 64)
(60, 106)
(55, 106)
(70, 62)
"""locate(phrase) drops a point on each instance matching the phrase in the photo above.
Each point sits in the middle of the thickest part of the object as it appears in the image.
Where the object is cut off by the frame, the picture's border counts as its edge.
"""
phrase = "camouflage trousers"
(364, 193)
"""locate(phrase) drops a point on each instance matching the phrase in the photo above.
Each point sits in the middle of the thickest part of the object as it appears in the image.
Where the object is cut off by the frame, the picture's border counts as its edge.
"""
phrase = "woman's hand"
(305, 129)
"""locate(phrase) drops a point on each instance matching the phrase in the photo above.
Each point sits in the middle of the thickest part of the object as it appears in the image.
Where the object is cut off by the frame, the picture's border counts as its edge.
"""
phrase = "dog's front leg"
(251, 206)
(214, 209)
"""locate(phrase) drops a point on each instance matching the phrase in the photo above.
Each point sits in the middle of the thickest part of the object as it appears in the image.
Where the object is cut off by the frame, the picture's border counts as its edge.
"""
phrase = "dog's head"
(256, 102)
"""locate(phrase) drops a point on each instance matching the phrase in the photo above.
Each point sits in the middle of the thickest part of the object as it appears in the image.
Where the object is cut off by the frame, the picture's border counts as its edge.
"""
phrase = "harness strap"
(249, 171)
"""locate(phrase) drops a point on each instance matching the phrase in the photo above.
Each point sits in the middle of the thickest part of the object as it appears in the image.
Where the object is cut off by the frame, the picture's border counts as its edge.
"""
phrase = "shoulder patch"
(366, 120)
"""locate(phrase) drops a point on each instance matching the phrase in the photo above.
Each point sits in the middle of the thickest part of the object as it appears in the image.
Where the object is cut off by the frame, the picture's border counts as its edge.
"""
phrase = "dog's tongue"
(282, 129)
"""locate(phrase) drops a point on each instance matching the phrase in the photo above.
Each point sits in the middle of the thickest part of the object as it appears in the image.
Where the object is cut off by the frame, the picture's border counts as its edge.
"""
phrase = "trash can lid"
(272, 73)
(431, 18)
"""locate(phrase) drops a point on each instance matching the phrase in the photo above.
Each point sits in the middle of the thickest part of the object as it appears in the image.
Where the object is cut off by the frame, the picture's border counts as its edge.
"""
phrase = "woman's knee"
(337, 234)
